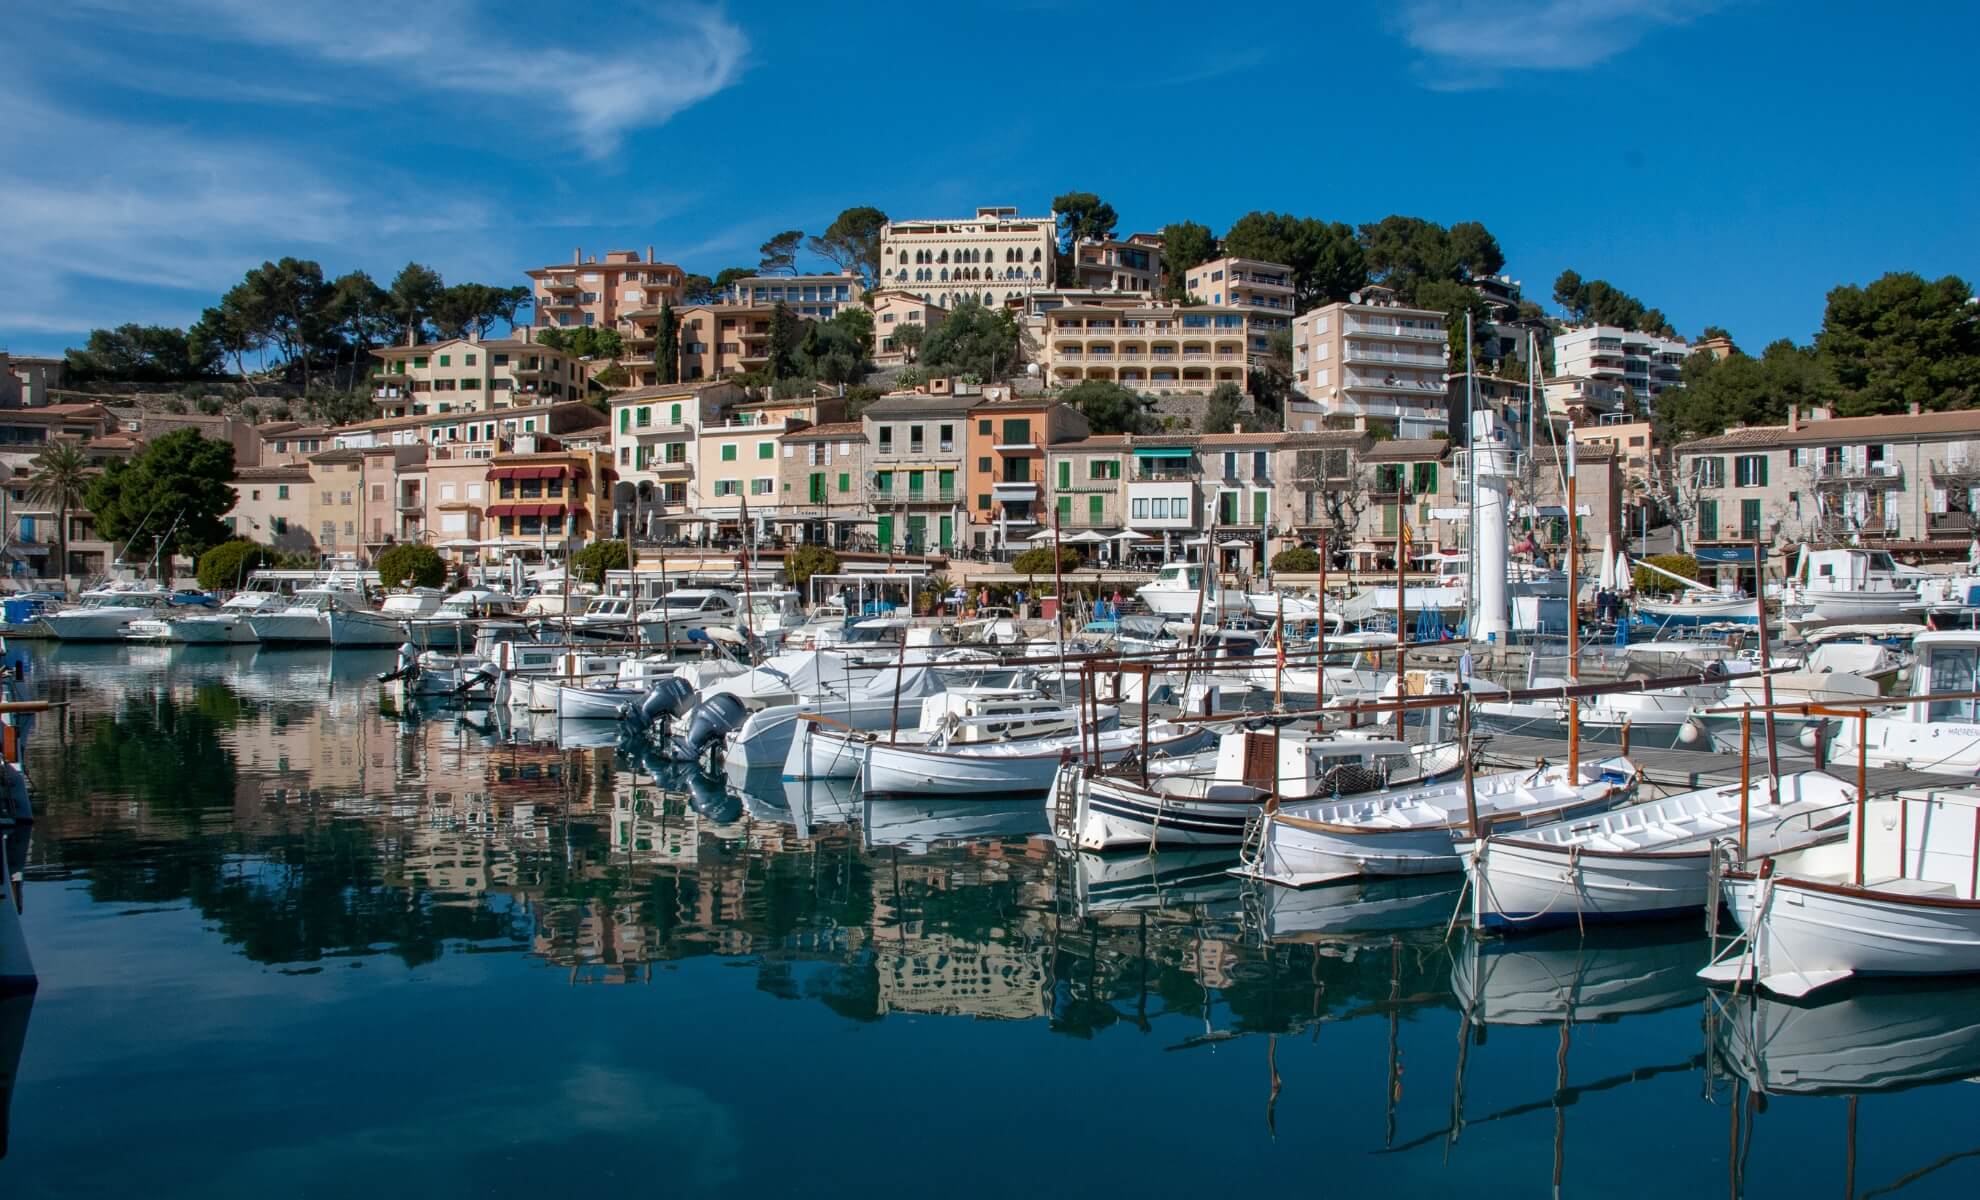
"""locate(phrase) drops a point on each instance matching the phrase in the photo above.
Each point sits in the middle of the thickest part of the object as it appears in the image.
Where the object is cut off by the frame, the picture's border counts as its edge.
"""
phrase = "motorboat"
(683, 609)
(1210, 799)
(786, 689)
(1725, 605)
(21, 613)
(1848, 584)
(945, 766)
(1896, 897)
(1417, 830)
(605, 618)
(1645, 861)
(830, 740)
(1942, 736)
(104, 614)
(1662, 718)
(228, 624)
(601, 697)
(384, 626)
(1183, 590)
(453, 625)
(305, 621)
(773, 614)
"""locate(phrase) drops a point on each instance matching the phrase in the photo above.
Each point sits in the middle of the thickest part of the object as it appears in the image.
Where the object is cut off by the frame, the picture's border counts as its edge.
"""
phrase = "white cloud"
(1471, 43)
(613, 76)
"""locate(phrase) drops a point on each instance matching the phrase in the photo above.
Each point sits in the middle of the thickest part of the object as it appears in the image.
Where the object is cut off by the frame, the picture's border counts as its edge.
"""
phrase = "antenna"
(1354, 297)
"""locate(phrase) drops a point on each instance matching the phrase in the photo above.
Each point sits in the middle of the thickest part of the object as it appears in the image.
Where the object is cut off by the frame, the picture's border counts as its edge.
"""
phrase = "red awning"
(524, 510)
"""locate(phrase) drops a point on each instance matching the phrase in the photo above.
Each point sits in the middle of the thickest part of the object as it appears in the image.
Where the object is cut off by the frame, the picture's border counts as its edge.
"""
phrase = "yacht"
(386, 625)
(1848, 584)
(1941, 736)
(228, 624)
(452, 625)
(604, 618)
(105, 614)
(306, 620)
(1180, 590)
(685, 609)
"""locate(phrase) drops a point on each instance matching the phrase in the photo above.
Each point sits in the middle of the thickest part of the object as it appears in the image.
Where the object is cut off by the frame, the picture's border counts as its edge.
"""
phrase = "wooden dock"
(1683, 770)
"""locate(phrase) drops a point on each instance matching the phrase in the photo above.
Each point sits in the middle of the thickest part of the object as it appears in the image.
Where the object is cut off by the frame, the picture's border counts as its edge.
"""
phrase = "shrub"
(1677, 564)
(594, 560)
(808, 560)
(1038, 560)
(227, 564)
(1296, 559)
(410, 563)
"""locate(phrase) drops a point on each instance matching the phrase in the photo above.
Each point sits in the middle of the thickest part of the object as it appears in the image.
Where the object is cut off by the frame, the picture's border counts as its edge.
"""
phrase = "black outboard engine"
(483, 676)
(706, 725)
(408, 667)
(667, 699)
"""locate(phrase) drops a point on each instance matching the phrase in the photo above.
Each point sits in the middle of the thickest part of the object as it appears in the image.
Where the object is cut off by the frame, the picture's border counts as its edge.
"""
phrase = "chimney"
(649, 254)
(577, 256)
(1915, 410)
(1794, 417)
(1237, 427)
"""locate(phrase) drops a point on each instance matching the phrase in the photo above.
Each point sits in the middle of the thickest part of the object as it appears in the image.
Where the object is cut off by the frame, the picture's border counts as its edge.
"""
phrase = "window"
(1259, 468)
(1103, 468)
(766, 450)
(645, 417)
(728, 487)
(1261, 504)
(1095, 504)
(377, 492)
(1140, 509)
(1709, 472)
(279, 524)
(729, 452)
(1708, 520)
(914, 439)
(762, 487)
(1750, 470)
(1016, 432)
(815, 492)
(886, 439)
(945, 438)
(282, 492)
(1423, 478)
(845, 482)
(1749, 520)
(1065, 473)
(625, 420)
(257, 493)
(468, 360)
(445, 360)
(343, 498)
(675, 417)
(983, 464)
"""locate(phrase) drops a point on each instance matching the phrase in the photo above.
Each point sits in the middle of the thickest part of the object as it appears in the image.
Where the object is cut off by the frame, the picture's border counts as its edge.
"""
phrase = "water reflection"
(311, 821)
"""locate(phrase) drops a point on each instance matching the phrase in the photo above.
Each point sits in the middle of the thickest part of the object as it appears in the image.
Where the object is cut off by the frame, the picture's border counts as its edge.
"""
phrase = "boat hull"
(1522, 886)
(214, 631)
(1806, 934)
(291, 629)
(912, 770)
(365, 629)
(108, 625)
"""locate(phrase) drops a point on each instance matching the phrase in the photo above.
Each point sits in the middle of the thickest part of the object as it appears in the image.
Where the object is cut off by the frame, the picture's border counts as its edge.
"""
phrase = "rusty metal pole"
(1746, 774)
(1766, 680)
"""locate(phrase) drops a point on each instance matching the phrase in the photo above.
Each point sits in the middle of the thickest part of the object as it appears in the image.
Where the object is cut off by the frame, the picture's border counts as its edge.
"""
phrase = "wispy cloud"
(1474, 43)
(601, 73)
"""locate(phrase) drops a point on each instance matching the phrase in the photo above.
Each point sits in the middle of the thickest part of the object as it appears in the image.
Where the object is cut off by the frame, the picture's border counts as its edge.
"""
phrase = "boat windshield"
(688, 601)
(1952, 669)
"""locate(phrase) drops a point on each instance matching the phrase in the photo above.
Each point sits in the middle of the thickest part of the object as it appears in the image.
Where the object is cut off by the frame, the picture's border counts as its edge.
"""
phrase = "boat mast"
(1320, 660)
(1402, 565)
(1471, 501)
(1766, 679)
(1574, 621)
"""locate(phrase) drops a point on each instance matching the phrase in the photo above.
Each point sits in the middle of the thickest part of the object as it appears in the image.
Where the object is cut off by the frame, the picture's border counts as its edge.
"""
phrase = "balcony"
(1877, 475)
(679, 469)
(904, 495)
(1951, 525)
(1957, 473)
(1391, 383)
(1025, 447)
(1015, 489)
(1393, 329)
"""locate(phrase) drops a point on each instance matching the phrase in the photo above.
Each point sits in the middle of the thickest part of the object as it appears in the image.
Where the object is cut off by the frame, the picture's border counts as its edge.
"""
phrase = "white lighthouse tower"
(1492, 469)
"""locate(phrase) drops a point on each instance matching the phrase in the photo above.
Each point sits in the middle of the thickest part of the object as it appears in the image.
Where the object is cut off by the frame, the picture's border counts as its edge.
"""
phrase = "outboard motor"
(408, 667)
(483, 676)
(667, 699)
(706, 724)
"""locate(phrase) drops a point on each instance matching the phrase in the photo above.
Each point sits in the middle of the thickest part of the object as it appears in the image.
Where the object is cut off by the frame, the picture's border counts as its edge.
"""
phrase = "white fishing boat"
(228, 624)
(673, 615)
(1879, 1038)
(1895, 898)
(1416, 831)
(858, 700)
(305, 620)
(834, 747)
(1644, 861)
(104, 614)
(1661, 719)
(385, 625)
(536, 688)
(1001, 768)
(1209, 799)
(1182, 590)
(1848, 584)
(1942, 736)
(452, 626)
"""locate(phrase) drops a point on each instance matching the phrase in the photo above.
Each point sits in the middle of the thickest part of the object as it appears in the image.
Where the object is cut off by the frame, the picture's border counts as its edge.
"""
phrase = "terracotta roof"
(832, 432)
(658, 391)
(1406, 450)
(348, 454)
(1902, 427)
(915, 404)
(288, 471)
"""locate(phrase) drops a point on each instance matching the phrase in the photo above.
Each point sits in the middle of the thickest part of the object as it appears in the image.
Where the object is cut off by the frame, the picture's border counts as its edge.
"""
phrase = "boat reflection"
(921, 823)
(1882, 1037)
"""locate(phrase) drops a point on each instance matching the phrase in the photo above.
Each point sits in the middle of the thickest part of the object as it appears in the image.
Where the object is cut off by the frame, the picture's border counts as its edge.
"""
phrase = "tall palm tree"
(61, 478)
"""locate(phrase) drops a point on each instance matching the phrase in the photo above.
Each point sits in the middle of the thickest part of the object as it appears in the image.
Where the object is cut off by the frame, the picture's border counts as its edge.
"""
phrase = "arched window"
(1034, 254)
(944, 258)
(945, 274)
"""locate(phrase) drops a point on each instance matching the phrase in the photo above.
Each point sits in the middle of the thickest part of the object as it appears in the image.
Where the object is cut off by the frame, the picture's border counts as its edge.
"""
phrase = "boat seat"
(1911, 887)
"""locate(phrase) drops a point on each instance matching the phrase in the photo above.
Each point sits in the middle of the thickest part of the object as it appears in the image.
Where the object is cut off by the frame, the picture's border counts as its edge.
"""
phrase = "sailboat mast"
(1574, 623)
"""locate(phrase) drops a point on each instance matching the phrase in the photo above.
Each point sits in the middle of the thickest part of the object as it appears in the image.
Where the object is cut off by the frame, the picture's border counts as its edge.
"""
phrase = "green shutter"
(948, 532)
(729, 452)
(1094, 505)
(766, 450)
(884, 530)
(625, 420)
(1065, 474)
(817, 487)
(677, 415)
(845, 483)
(1065, 509)
(1261, 503)
(947, 481)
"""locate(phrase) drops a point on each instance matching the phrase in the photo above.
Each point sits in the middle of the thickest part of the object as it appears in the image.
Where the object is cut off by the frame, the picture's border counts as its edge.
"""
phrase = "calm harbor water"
(292, 940)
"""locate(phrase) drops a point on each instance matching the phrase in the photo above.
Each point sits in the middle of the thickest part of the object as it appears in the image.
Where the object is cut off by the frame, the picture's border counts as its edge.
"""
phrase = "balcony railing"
(904, 495)
(1874, 475)
(1393, 330)
(1951, 524)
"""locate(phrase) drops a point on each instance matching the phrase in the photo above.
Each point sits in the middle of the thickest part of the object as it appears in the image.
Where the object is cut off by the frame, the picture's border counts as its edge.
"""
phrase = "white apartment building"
(1644, 363)
(820, 297)
(994, 257)
(1375, 361)
(1263, 290)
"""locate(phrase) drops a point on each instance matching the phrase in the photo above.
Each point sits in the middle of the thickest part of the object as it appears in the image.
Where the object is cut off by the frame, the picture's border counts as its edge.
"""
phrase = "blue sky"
(1728, 162)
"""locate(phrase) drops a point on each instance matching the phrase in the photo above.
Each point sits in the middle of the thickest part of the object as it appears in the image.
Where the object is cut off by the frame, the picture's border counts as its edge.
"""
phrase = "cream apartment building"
(917, 446)
(1374, 361)
(587, 291)
(893, 311)
(1262, 290)
(1906, 483)
(470, 375)
(1145, 345)
(1131, 264)
(737, 460)
(993, 257)
(821, 483)
(654, 432)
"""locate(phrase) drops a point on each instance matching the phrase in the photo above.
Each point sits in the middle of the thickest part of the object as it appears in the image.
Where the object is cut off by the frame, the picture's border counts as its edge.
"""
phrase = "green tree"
(1296, 560)
(1902, 340)
(728, 276)
(229, 563)
(1226, 409)
(1404, 253)
(907, 338)
(697, 289)
(1109, 407)
(785, 343)
(667, 344)
(1454, 300)
(1601, 302)
(857, 324)
(1080, 215)
(179, 483)
(61, 480)
(1038, 560)
(464, 308)
(1716, 393)
(292, 301)
(780, 253)
(361, 313)
(852, 243)
(1677, 564)
(142, 353)
(973, 340)
(411, 564)
(593, 561)
(221, 334)
(807, 560)
(1185, 244)
(413, 296)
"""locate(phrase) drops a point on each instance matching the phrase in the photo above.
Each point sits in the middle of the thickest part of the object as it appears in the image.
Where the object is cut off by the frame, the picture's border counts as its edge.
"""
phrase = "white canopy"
(1233, 544)
(1200, 540)
(1085, 537)
(1625, 574)
(1129, 535)
(1043, 535)
(1607, 579)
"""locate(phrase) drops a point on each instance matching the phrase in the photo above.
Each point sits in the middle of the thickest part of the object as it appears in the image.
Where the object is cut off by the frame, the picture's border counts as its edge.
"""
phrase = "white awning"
(1234, 544)
(1044, 535)
(1085, 537)
(1129, 535)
